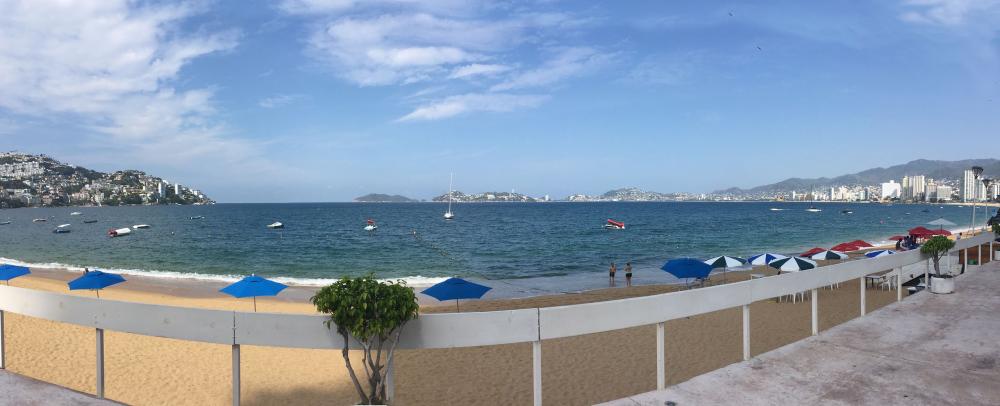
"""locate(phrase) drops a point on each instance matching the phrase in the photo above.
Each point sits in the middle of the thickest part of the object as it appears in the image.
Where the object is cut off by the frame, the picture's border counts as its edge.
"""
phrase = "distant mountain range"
(383, 198)
(944, 170)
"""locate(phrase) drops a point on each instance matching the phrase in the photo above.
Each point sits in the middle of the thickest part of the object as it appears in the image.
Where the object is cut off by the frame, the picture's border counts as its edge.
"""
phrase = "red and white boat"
(119, 232)
(614, 225)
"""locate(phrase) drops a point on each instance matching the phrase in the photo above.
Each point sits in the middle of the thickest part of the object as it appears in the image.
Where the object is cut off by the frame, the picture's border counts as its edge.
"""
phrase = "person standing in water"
(628, 274)
(611, 275)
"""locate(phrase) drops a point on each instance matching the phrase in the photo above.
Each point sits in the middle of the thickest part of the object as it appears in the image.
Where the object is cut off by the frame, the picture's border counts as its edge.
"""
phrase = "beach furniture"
(95, 280)
(8, 272)
(456, 289)
(253, 286)
(694, 271)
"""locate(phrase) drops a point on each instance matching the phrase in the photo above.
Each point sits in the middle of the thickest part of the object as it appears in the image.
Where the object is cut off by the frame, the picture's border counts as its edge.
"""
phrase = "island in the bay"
(383, 198)
(28, 180)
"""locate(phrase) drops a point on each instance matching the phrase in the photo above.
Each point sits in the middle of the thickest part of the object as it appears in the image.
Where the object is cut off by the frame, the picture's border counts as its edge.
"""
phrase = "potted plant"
(937, 247)
(372, 313)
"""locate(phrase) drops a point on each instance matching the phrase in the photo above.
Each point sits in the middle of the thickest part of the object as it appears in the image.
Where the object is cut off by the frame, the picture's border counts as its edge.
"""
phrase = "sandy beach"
(579, 370)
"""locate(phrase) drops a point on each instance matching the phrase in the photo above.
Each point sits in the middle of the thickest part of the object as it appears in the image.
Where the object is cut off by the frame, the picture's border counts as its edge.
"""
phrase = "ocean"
(529, 248)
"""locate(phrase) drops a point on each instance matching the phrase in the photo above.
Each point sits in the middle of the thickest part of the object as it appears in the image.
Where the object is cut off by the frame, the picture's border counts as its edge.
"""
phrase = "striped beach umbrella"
(829, 255)
(765, 258)
(793, 264)
(879, 253)
(725, 262)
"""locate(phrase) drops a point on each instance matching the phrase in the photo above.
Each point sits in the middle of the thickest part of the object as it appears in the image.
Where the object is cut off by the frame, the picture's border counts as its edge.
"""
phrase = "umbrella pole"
(255, 304)
(456, 306)
(98, 291)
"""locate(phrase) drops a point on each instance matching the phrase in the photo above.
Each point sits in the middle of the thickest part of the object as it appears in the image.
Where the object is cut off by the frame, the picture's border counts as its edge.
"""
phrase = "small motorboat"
(371, 226)
(276, 224)
(39, 220)
(119, 232)
(3, 223)
(62, 229)
(776, 209)
(813, 209)
(89, 221)
(925, 211)
(75, 213)
(138, 226)
(614, 225)
(197, 217)
(846, 212)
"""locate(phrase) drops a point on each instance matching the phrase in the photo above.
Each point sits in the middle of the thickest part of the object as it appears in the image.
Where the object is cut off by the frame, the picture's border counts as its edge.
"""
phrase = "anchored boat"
(62, 229)
(614, 225)
(119, 232)
(276, 224)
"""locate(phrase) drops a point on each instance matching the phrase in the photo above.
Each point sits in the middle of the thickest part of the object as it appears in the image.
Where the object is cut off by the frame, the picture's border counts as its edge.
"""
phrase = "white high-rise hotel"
(972, 188)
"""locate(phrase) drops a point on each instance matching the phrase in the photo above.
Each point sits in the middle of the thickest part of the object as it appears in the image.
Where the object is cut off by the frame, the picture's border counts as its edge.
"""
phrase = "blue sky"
(326, 100)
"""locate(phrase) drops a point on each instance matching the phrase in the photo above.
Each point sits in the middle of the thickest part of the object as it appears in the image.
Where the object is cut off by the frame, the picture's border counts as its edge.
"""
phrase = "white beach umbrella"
(765, 258)
(829, 255)
(793, 264)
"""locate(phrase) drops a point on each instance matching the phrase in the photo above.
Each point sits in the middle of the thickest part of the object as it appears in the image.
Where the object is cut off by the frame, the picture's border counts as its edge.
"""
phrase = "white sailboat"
(448, 215)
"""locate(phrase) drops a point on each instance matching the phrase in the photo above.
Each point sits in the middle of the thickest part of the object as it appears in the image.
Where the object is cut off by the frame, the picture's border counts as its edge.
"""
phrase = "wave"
(410, 280)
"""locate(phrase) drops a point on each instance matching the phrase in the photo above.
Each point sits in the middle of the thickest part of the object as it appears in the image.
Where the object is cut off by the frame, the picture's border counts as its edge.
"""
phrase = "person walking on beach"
(611, 275)
(628, 274)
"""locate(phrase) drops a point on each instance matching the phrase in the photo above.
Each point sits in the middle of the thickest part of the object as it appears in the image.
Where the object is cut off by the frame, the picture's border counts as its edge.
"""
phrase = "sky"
(327, 100)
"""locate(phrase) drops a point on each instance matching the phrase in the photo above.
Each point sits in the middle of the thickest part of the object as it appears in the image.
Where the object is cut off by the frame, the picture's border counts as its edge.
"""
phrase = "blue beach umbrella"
(687, 268)
(253, 286)
(879, 253)
(455, 289)
(95, 280)
(8, 272)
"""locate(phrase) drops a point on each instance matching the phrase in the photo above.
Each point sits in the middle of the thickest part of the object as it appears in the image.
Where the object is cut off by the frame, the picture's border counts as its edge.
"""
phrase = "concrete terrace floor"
(23, 391)
(927, 349)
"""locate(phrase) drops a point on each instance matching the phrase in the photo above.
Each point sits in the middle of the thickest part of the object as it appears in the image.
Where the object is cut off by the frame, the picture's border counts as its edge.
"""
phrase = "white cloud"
(112, 67)
(278, 100)
(568, 62)
(945, 12)
(477, 69)
(490, 102)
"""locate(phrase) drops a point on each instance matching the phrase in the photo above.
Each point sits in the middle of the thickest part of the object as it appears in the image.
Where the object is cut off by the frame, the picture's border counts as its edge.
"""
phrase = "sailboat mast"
(451, 178)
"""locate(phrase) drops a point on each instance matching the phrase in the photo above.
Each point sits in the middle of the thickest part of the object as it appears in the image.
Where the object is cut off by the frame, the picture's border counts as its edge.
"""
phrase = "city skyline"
(310, 100)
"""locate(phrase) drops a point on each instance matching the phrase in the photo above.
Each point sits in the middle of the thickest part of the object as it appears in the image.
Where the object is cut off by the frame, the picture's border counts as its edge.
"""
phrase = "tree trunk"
(350, 370)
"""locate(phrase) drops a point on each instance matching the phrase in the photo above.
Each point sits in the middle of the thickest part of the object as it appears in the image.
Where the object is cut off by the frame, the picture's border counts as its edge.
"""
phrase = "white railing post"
(927, 274)
(100, 363)
(965, 259)
(815, 311)
(661, 368)
(899, 285)
(3, 359)
(746, 332)
(861, 282)
(236, 374)
(536, 361)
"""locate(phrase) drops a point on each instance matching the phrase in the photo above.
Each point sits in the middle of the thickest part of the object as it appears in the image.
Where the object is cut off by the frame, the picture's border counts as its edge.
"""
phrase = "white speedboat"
(138, 226)
(371, 226)
(39, 220)
(75, 213)
(197, 217)
(448, 215)
(813, 209)
(119, 232)
(776, 209)
(62, 229)
(3, 223)
(276, 224)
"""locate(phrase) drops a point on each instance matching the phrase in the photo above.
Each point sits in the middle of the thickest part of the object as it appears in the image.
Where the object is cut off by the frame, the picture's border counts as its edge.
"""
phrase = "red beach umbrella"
(844, 247)
(920, 231)
(861, 244)
(812, 252)
(941, 232)
(896, 238)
